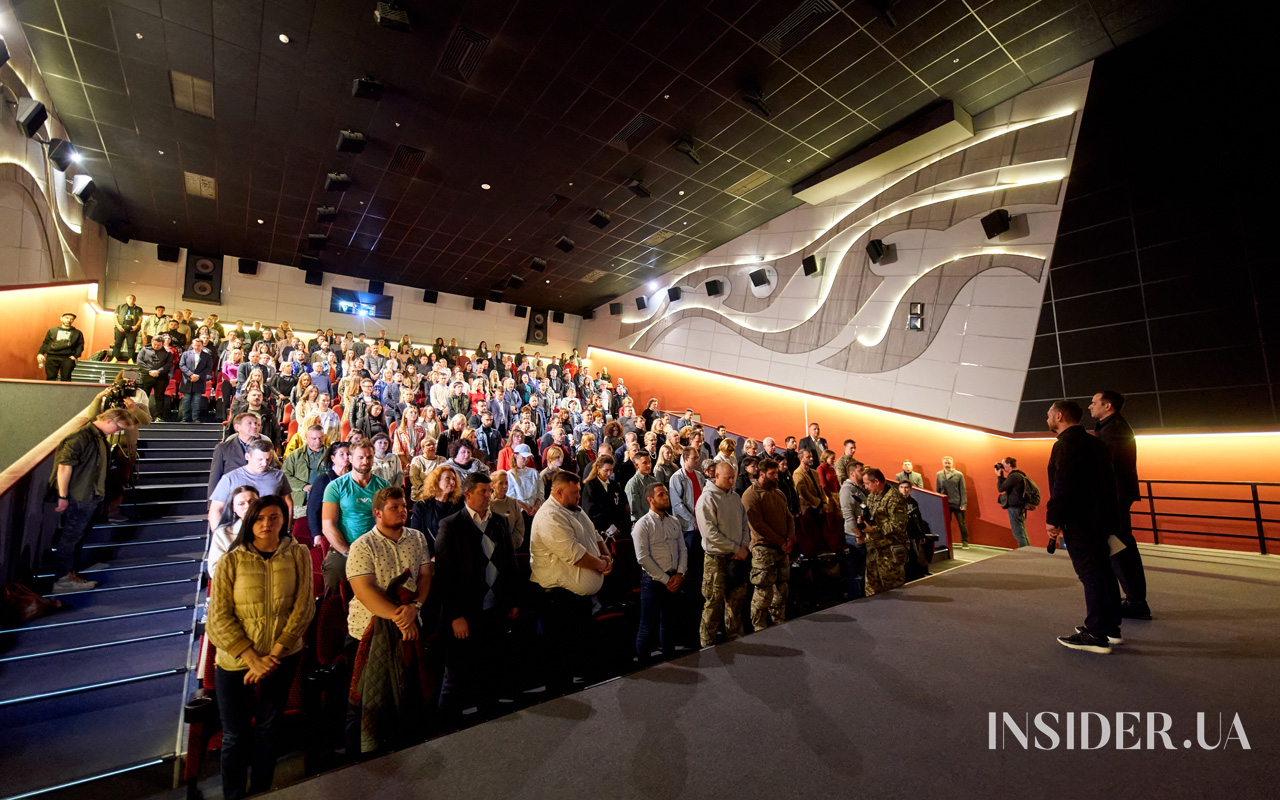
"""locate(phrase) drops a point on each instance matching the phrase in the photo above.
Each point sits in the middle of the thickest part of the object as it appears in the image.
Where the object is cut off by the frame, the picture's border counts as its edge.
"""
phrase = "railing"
(1175, 506)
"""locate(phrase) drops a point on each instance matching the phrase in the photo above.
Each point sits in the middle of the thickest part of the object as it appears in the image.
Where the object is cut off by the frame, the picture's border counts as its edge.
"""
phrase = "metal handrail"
(1253, 500)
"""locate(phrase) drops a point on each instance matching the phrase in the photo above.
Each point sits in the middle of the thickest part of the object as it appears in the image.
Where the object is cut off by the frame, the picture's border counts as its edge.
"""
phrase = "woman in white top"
(523, 485)
(224, 536)
(329, 419)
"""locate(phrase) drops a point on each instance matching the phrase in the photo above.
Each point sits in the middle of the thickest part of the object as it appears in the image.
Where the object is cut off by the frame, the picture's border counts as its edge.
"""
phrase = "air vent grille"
(593, 276)
(191, 93)
(201, 185)
(753, 181)
(553, 204)
(634, 132)
(463, 53)
(799, 24)
(659, 237)
(406, 160)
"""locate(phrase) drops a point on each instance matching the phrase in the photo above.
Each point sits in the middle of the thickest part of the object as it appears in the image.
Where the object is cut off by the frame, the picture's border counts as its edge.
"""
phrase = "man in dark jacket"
(477, 584)
(156, 364)
(814, 443)
(128, 323)
(1011, 483)
(62, 346)
(1082, 509)
(1115, 433)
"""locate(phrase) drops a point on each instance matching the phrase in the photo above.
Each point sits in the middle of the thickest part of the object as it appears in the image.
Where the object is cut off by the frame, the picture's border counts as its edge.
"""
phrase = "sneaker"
(1111, 639)
(964, 545)
(1129, 610)
(72, 583)
(1085, 642)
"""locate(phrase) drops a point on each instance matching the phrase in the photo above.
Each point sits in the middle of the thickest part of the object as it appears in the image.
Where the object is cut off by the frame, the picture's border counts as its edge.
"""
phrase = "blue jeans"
(190, 407)
(855, 568)
(249, 726)
(76, 522)
(1018, 522)
(658, 611)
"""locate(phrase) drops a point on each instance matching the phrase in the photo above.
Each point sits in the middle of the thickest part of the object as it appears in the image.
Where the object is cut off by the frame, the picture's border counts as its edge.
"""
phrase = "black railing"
(1253, 501)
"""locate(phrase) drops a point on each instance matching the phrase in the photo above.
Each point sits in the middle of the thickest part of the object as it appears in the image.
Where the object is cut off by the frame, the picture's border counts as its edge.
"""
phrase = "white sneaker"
(72, 583)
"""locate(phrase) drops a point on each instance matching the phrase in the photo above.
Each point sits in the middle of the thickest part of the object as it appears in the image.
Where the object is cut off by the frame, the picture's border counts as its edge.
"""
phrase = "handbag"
(19, 604)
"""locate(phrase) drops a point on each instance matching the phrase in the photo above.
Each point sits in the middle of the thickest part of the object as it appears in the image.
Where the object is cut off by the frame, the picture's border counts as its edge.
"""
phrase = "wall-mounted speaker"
(673, 294)
(350, 142)
(477, 304)
(537, 331)
(315, 277)
(326, 214)
(589, 314)
(203, 282)
(642, 303)
(558, 317)
(564, 243)
(429, 296)
(995, 223)
(876, 250)
(759, 277)
(810, 264)
(83, 187)
(168, 252)
(598, 218)
(715, 288)
(522, 311)
(377, 287)
(615, 309)
(337, 182)
(248, 266)
(31, 116)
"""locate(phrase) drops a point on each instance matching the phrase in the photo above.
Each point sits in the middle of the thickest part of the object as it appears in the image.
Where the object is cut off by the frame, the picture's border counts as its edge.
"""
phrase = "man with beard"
(773, 537)
(884, 533)
(61, 347)
(664, 557)
(347, 513)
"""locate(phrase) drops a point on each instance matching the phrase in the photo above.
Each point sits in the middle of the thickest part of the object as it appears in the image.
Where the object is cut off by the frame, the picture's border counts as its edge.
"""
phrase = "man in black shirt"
(1115, 433)
(61, 347)
(176, 336)
(156, 364)
(1082, 509)
(128, 323)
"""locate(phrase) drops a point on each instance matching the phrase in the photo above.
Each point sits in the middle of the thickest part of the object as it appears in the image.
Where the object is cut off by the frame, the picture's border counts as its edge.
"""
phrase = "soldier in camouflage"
(722, 522)
(773, 537)
(885, 534)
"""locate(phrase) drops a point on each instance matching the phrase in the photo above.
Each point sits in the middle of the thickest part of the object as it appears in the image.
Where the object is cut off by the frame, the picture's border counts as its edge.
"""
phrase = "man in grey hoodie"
(722, 521)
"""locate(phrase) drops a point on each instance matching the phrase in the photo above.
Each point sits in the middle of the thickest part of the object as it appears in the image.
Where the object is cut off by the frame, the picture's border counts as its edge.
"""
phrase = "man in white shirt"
(569, 563)
(661, 551)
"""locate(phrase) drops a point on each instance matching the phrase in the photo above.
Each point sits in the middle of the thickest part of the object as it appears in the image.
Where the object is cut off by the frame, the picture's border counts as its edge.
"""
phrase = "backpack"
(1030, 494)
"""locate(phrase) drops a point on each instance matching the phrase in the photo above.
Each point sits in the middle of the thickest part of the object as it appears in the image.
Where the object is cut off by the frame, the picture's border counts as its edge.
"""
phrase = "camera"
(1000, 466)
(124, 388)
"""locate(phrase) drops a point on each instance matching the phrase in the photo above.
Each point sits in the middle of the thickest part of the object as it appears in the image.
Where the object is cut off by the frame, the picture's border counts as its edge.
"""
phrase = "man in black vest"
(128, 323)
(61, 347)
(476, 584)
(1114, 431)
(1082, 509)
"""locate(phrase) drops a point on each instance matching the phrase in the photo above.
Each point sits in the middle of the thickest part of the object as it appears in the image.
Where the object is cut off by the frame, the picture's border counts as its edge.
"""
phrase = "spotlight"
(392, 15)
(685, 146)
(564, 243)
(367, 89)
(598, 218)
(350, 142)
(337, 182)
(753, 99)
(31, 116)
(637, 188)
(995, 223)
(62, 154)
(538, 265)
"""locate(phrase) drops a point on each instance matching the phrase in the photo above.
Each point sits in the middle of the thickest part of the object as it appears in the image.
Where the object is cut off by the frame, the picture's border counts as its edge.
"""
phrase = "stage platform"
(892, 696)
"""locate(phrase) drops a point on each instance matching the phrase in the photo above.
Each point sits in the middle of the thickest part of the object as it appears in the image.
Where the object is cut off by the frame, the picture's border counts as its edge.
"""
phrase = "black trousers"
(154, 389)
(125, 337)
(566, 627)
(1091, 559)
(58, 368)
(476, 668)
(1127, 564)
(250, 726)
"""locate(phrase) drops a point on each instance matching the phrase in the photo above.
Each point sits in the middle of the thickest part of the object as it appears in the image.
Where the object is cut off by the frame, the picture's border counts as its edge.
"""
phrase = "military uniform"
(886, 541)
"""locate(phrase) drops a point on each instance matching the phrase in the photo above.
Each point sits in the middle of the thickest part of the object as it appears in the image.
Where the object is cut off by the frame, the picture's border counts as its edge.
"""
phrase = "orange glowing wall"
(29, 311)
(885, 438)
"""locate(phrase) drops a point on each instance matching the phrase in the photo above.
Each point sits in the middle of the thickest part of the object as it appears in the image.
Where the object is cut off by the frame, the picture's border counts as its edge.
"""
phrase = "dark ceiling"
(543, 116)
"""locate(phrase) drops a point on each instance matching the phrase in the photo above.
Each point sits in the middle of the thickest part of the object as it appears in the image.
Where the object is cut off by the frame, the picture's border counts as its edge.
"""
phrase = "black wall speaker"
(558, 317)
(522, 311)
(477, 304)
(598, 218)
(83, 187)
(495, 295)
(429, 296)
(350, 142)
(995, 223)
(538, 265)
(31, 116)
(564, 243)
(715, 288)
(642, 303)
(337, 182)
(315, 277)
(810, 264)
(168, 252)
(759, 277)
(673, 294)
(589, 314)
(376, 287)
(248, 266)
(326, 214)
(876, 250)
(515, 282)
(615, 309)
(203, 283)
(537, 331)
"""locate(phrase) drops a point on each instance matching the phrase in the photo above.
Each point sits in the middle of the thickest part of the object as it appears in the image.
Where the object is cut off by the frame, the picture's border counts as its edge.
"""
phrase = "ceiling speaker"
(62, 154)
(367, 89)
(557, 317)
(31, 116)
(598, 218)
(429, 296)
(515, 282)
(759, 277)
(337, 182)
(876, 250)
(248, 266)
(673, 294)
(995, 223)
(495, 295)
(477, 304)
(564, 243)
(317, 241)
(315, 277)
(637, 188)
(642, 303)
(522, 311)
(326, 214)
(392, 15)
(715, 288)
(615, 309)
(377, 287)
(810, 264)
(350, 142)
(168, 252)
(538, 265)
(83, 187)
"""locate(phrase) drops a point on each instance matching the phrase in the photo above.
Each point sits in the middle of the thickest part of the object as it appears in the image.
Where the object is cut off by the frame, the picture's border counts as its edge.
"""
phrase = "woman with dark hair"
(260, 603)
(224, 536)
(613, 434)
(650, 413)
(482, 350)
(373, 422)
(334, 464)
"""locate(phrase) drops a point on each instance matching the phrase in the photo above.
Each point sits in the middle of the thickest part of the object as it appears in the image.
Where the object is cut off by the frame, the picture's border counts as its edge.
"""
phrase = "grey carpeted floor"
(890, 697)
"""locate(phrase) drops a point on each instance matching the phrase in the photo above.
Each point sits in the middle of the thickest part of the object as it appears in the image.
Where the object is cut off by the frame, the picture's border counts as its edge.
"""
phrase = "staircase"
(98, 687)
(97, 371)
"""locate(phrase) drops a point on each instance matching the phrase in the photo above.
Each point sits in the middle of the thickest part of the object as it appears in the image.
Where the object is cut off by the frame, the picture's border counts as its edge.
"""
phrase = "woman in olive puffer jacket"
(260, 603)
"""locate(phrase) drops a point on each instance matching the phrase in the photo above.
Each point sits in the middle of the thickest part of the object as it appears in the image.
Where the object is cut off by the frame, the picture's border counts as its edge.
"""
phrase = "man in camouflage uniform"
(722, 522)
(885, 534)
(773, 536)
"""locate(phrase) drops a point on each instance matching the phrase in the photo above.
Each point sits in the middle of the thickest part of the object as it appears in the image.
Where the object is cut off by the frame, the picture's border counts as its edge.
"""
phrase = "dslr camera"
(999, 466)
(124, 387)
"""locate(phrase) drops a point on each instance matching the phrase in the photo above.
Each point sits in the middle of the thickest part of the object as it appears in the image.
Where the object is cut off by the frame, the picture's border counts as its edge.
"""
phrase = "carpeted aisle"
(890, 697)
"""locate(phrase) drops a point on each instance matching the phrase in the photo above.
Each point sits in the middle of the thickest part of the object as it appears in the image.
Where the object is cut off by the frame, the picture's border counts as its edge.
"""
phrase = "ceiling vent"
(463, 53)
(201, 185)
(191, 94)
(634, 133)
(801, 22)
(593, 276)
(406, 160)
(658, 238)
(753, 181)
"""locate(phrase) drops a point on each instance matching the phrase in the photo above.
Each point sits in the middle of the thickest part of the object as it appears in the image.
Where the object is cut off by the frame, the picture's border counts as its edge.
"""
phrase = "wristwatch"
(418, 604)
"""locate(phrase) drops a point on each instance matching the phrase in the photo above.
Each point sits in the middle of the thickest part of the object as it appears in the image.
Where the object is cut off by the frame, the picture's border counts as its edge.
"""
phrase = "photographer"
(125, 394)
(1011, 486)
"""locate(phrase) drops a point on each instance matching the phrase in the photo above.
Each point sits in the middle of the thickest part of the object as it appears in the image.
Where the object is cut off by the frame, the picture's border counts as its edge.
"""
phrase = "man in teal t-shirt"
(347, 513)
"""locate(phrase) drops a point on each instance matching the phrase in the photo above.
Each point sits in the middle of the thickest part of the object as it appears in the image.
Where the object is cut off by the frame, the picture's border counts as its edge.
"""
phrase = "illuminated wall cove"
(845, 329)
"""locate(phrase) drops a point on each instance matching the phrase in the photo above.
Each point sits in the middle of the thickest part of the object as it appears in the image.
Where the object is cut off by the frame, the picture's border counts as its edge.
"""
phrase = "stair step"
(157, 476)
(153, 509)
(151, 549)
(64, 675)
(150, 575)
(84, 606)
(186, 426)
(176, 448)
(154, 529)
(154, 492)
(79, 649)
(194, 433)
(153, 465)
(140, 558)
(36, 640)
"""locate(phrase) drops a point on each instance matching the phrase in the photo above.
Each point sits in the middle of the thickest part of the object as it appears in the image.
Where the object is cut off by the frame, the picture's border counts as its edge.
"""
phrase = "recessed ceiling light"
(684, 223)
(161, 152)
(484, 186)
(548, 280)
(788, 161)
(570, 183)
(259, 222)
(175, 222)
(139, 35)
(666, 97)
(955, 61)
(397, 124)
(682, 191)
(284, 37)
